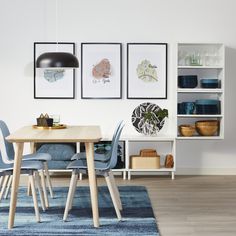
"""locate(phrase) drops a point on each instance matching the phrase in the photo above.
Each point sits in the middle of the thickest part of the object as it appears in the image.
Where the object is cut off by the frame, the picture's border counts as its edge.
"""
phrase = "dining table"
(88, 135)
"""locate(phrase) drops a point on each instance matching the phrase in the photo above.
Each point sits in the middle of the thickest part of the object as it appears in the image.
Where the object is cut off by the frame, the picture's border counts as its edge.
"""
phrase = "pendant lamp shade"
(57, 60)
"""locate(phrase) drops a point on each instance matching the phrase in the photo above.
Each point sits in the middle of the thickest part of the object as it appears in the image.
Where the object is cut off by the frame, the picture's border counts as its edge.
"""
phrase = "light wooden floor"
(188, 205)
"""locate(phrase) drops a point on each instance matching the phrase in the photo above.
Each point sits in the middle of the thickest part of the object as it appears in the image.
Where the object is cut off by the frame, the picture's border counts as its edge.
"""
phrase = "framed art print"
(58, 83)
(101, 70)
(146, 70)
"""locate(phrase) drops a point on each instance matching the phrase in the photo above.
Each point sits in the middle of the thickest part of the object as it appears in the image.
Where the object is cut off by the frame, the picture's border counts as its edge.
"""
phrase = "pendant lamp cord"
(57, 25)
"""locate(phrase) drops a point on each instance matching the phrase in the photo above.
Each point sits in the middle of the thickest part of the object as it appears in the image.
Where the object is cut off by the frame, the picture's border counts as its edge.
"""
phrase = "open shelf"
(199, 90)
(199, 116)
(152, 170)
(199, 137)
(200, 67)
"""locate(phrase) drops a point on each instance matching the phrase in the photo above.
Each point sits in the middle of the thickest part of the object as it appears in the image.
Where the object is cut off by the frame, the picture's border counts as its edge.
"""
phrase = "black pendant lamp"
(57, 59)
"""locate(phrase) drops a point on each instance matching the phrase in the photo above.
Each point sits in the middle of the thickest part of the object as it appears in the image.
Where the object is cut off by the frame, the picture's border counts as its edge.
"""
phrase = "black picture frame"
(164, 71)
(60, 46)
(117, 46)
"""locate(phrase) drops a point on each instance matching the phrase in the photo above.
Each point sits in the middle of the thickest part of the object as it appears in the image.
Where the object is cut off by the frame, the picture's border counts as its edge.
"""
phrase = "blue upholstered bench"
(61, 154)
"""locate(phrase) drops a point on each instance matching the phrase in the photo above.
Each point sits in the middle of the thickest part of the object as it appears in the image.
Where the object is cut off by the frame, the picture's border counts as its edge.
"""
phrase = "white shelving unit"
(211, 64)
(154, 142)
(171, 141)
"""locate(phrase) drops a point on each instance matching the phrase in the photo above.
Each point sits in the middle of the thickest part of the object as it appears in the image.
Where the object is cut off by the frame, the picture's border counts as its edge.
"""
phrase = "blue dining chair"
(8, 154)
(28, 167)
(103, 167)
(97, 157)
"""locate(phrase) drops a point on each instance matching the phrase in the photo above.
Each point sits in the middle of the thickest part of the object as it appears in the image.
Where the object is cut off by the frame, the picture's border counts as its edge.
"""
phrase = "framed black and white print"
(101, 70)
(53, 83)
(147, 71)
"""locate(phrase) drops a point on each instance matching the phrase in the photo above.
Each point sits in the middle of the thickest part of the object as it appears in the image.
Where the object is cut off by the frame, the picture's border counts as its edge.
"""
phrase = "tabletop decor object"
(44, 121)
(149, 118)
(49, 122)
(51, 83)
(101, 70)
(146, 70)
(60, 126)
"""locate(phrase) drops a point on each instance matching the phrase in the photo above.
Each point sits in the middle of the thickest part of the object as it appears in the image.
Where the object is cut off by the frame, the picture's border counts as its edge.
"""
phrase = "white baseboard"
(206, 171)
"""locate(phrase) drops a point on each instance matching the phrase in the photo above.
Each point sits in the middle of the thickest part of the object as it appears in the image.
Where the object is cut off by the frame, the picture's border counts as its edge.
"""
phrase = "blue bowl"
(209, 83)
(207, 101)
(187, 81)
(186, 108)
(180, 108)
(207, 107)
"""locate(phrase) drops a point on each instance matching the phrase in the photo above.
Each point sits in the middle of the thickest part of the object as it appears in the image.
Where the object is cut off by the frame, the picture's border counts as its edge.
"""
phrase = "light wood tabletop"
(69, 134)
(86, 134)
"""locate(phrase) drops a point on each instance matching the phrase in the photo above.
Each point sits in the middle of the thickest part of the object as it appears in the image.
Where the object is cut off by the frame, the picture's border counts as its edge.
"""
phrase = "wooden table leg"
(15, 183)
(33, 150)
(92, 182)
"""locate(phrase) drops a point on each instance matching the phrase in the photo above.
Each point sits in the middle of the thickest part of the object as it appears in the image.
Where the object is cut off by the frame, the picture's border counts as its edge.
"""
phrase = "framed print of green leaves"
(147, 71)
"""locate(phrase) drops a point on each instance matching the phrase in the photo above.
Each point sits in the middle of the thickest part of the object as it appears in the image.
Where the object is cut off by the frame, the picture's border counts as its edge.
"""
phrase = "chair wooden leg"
(1, 181)
(41, 195)
(80, 176)
(48, 179)
(44, 188)
(36, 208)
(73, 192)
(73, 183)
(29, 192)
(6, 177)
(8, 187)
(117, 193)
(113, 197)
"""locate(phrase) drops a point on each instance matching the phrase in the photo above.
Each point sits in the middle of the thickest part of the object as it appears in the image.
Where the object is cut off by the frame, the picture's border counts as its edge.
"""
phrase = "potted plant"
(154, 121)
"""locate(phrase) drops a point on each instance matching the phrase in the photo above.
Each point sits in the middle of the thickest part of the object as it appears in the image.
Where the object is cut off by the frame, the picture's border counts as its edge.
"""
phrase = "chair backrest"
(2, 163)
(6, 148)
(114, 144)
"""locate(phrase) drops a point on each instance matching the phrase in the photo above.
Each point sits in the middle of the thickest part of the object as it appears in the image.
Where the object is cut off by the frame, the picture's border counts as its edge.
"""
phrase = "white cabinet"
(207, 62)
(163, 145)
(133, 144)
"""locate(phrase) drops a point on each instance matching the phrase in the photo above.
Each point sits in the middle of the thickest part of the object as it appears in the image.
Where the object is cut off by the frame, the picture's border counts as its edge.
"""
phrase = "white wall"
(23, 22)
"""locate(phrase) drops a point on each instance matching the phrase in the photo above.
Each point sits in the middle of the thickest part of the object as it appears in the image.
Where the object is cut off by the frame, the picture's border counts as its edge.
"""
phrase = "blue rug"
(137, 214)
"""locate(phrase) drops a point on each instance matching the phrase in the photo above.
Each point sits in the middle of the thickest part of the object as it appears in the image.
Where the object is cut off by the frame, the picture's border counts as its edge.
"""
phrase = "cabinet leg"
(172, 175)
(124, 175)
(129, 175)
